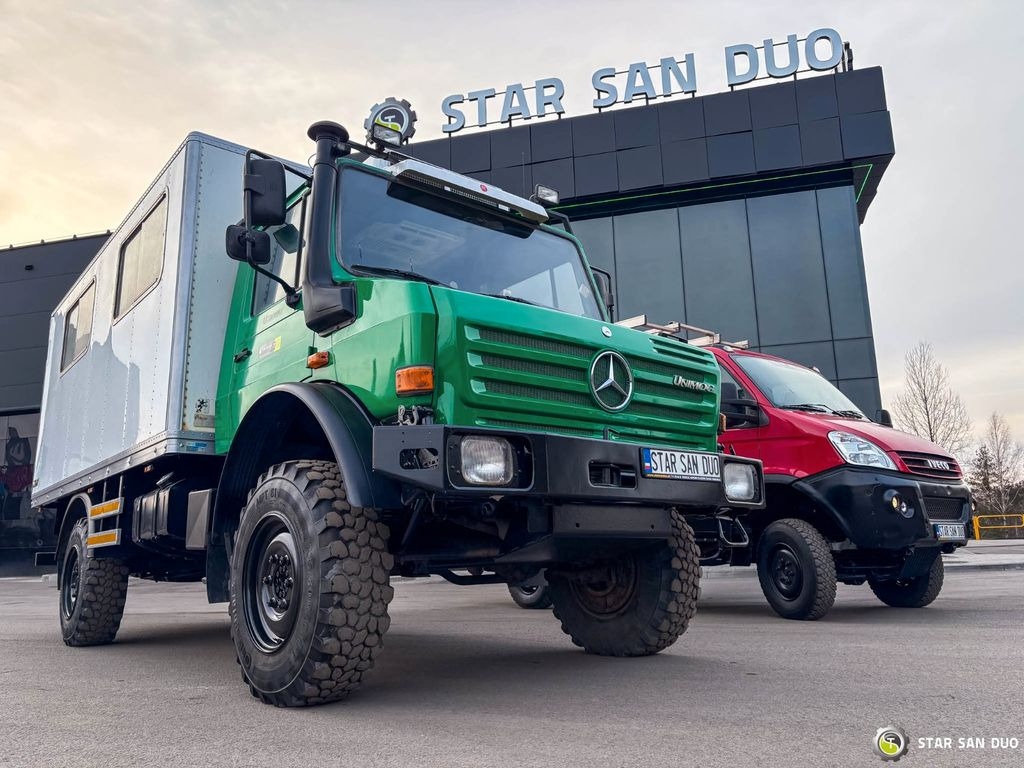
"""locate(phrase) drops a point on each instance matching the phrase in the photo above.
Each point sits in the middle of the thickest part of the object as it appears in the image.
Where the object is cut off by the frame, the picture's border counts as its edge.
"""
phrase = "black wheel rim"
(528, 591)
(787, 575)
(607, 591)
(70, 583)
(272, 575)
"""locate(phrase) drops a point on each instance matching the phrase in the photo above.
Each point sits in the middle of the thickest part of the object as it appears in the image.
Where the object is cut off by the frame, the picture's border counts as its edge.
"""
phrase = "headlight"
(857, 450)
(487, 460)
(740, 481)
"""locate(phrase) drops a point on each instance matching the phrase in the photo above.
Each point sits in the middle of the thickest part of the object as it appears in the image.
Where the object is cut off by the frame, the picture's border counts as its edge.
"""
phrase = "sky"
(94, 97)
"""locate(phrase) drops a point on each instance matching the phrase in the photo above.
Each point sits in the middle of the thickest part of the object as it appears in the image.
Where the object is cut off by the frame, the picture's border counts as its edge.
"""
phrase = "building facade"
(738, 212)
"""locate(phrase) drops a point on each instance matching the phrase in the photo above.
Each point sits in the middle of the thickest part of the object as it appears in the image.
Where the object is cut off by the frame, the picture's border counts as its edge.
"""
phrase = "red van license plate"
(949, 532)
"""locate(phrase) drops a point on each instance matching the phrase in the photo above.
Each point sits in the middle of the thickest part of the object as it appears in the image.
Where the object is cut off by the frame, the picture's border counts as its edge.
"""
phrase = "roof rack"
(681, 331)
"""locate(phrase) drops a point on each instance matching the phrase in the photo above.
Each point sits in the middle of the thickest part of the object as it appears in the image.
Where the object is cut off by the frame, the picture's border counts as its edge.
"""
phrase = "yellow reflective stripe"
(105, 537)
(105, 509)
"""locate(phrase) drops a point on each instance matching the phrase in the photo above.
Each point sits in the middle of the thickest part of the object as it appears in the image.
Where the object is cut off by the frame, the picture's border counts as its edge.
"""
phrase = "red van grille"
(941, 467)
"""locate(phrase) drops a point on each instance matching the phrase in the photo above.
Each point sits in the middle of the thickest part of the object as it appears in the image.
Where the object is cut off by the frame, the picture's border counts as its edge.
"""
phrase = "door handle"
(244, 354)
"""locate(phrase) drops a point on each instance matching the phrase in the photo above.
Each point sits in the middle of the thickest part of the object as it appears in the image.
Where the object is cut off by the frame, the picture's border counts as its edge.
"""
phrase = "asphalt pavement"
(468, 679)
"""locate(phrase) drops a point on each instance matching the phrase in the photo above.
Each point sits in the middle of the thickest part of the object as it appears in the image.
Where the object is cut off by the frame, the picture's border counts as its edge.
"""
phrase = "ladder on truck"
(702, 338)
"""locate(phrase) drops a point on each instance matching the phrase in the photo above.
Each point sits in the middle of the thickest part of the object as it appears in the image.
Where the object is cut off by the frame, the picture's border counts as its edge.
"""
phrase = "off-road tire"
(102, 586)
(911, 593)
(342, 578)
(653, 613)
(537, 597)
(815, 593)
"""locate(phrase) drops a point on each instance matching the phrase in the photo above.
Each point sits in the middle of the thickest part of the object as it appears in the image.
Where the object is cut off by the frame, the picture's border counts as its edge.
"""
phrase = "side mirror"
(884, 418)
(235, 241)
(741, 412)
(604, 287)
(265, 193)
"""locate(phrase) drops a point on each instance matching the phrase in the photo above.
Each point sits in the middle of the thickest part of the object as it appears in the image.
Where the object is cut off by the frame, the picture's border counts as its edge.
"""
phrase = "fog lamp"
(897, 502)
(740, 481)
(487, 460)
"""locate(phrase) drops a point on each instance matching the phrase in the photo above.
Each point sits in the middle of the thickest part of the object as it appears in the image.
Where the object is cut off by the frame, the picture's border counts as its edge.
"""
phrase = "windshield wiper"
(391, 272)
(851, 414)
(512, 298)
(815, 407)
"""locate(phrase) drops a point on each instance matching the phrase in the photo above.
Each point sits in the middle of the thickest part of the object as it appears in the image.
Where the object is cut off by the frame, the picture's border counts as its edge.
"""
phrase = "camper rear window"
(78, 328)
(142, 257)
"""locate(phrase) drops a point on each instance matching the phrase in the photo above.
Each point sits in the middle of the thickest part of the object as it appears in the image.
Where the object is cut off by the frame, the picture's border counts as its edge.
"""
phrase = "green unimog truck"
(398, 371)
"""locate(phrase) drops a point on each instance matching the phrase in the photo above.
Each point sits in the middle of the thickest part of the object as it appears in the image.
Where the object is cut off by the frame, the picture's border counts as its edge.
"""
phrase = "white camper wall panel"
(135, 393)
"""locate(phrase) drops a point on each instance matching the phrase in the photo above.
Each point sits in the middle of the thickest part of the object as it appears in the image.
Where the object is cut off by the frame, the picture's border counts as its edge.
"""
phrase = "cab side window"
(285, 259)
(142, 258)
(78, 328)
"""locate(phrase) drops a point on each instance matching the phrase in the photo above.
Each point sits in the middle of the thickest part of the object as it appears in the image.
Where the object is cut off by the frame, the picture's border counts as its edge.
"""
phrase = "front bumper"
(855, 498)
(556, 469)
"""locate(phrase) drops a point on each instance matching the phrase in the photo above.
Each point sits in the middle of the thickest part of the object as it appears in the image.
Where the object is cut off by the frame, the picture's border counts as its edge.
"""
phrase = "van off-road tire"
(911, 593)
(92, 592)
(796, 570)
(635, 605)
(309, 587)
(537, 596)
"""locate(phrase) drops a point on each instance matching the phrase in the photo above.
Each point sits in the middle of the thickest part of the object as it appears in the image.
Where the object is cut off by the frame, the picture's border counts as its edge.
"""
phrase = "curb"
(749, 572)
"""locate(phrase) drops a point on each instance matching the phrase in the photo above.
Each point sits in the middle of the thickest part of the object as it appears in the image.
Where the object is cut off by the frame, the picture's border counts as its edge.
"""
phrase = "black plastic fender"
(345, 434)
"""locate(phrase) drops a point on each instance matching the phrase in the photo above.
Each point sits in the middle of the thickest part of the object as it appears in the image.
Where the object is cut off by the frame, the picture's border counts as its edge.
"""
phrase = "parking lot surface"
(468, 679)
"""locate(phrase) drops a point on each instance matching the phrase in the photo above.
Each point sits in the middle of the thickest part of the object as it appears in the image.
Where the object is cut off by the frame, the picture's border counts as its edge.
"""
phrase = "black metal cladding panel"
(639, 168)
(855, 358)
(821, 142)
(816, 98)
(437, 152)
(636, 128)
(518, 180)
(777, 148)
(595, 174)
(773, 105)
(556, 174)
(593, 134)
(860, 90)
(510, 146)
(551, 139)
(471, 152)
(866, 135)
(731, 154)
(727, 113)
(685, 161)
(681, 119)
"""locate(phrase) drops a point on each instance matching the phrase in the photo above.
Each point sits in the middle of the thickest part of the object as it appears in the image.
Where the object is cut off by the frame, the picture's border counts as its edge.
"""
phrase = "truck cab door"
(743, 430)
(272, 341)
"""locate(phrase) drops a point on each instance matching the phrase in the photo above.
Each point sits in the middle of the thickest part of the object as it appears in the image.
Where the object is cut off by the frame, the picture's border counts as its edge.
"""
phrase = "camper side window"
(77, 328)
(142, 257)
(285, 257)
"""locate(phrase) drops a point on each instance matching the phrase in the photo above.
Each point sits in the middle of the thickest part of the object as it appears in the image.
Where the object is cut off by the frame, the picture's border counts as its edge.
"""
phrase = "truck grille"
(943, 507)
(930, 465)
(518, 378)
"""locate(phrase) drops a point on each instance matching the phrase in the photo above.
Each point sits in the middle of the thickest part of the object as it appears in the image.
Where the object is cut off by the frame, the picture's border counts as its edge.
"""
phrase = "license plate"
(947, 531)
(679, 465)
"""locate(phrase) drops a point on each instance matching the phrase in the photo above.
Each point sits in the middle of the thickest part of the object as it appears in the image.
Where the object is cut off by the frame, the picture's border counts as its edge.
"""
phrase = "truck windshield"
(788, 385)
(393, 228)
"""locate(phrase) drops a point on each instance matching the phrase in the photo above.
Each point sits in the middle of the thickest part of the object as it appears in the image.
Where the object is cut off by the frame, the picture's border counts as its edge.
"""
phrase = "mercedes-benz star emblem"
(611, 381)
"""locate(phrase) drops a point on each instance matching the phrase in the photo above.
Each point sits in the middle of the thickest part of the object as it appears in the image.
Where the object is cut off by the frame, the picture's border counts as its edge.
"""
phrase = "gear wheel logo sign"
(891, 743)
(392, 121)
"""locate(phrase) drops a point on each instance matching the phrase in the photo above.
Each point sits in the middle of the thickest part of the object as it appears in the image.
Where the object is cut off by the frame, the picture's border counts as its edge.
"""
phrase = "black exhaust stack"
(327, 305)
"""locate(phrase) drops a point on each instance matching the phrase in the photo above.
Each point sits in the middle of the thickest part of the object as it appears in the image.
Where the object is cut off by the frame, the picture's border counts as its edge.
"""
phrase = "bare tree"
(928, 405)
(998, 469)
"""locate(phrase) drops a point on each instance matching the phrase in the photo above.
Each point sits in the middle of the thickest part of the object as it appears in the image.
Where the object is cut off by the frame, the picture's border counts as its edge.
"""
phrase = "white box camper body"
(147, 383)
